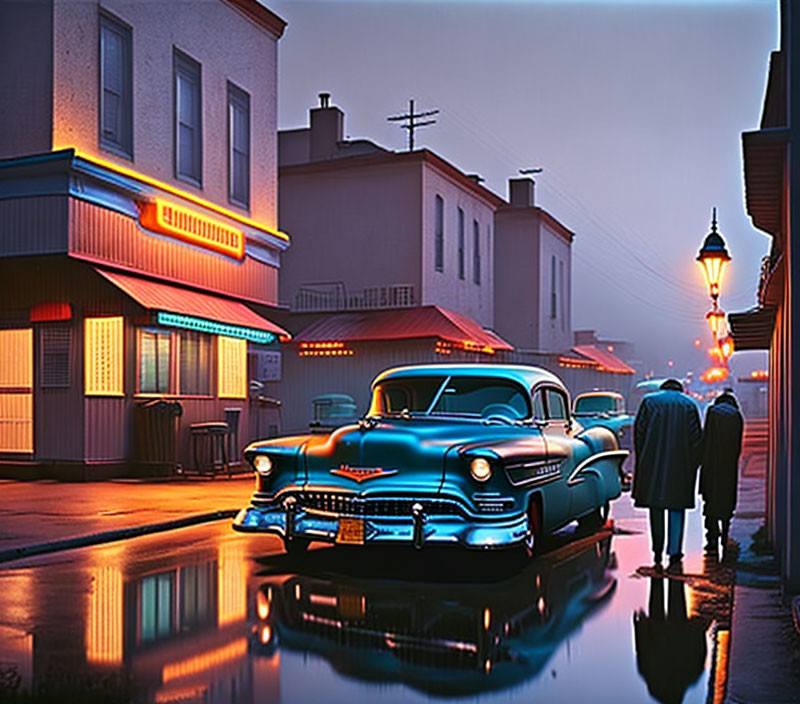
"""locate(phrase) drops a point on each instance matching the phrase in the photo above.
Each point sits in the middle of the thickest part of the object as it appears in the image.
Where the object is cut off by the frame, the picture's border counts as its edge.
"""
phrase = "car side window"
(538, 405)
(556, 405)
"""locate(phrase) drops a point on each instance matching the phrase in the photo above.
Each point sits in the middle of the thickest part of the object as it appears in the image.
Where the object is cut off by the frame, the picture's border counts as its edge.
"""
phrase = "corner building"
(139, 249)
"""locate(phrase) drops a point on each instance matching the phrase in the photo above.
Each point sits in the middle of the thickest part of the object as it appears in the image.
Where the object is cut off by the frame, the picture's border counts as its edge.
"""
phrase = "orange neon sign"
(181, 223)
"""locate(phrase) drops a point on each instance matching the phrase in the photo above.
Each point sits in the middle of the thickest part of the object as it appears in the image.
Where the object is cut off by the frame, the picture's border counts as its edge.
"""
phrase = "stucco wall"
(359, 226)
(26, 76)
(517, 289)
(555, 333)
(444, 288)
(228, 45)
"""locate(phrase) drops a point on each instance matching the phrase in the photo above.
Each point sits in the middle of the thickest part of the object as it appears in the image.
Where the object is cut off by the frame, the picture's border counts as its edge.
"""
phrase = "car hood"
(391, 454)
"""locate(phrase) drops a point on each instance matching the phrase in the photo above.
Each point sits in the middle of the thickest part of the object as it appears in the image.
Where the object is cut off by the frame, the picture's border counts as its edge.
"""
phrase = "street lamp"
(716, 321)
(712, 258)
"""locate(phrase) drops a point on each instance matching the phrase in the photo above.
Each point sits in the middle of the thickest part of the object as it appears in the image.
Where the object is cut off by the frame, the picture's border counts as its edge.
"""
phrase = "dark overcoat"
(667, 441)
(722, 443)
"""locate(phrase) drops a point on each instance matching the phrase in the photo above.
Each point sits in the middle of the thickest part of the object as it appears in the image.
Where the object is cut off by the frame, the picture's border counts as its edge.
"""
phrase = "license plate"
(351, 531)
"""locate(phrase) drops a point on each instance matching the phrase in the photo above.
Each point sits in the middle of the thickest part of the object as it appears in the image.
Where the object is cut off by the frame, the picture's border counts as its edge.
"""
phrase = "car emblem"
(361, 474)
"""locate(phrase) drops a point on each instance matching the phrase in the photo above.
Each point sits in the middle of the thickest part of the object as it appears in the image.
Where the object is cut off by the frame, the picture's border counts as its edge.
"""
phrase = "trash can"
(156, 424)
(232, 416)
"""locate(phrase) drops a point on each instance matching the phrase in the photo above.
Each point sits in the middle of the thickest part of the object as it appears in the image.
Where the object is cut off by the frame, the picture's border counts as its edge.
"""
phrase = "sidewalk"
(764, 656)
(38, 512)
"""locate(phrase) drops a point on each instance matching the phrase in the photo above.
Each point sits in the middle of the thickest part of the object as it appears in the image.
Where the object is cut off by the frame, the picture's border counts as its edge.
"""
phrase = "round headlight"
(262, 464)
(480, 469)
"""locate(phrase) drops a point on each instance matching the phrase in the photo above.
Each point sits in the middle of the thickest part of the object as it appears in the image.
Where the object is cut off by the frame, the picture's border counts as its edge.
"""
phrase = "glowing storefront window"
(232, 585)
(16, 385)
(232, 367)
(103, 357)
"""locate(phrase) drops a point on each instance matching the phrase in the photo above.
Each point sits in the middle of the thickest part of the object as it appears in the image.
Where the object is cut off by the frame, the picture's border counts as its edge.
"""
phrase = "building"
(377, 228)
(533, 261)
(771, 168)
(139, 248)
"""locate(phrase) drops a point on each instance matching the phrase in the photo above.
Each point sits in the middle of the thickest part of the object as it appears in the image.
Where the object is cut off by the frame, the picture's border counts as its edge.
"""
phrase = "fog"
(634, 111)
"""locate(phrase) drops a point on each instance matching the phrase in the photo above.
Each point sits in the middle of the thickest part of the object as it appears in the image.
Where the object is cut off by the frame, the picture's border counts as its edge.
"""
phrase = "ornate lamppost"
(713, 258)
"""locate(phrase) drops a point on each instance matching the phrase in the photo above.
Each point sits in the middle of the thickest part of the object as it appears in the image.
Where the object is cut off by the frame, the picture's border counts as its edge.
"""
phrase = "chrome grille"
(350, 505)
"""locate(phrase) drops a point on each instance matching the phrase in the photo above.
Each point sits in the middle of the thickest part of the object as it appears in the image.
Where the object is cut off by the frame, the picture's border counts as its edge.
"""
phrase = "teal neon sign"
(176, 320)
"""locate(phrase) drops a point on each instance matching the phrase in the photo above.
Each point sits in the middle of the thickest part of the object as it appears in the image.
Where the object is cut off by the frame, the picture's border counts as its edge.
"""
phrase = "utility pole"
(412, 119)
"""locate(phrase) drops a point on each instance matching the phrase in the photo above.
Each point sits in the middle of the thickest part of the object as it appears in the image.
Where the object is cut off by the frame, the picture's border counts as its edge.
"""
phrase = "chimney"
(520, 192)
(327, 128)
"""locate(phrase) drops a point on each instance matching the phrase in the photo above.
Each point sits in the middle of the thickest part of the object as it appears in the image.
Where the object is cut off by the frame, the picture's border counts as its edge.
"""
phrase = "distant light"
(671, 363)
(697, 342)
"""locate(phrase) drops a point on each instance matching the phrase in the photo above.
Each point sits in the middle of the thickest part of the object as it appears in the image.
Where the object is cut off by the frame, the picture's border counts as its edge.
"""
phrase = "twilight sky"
(634, 110)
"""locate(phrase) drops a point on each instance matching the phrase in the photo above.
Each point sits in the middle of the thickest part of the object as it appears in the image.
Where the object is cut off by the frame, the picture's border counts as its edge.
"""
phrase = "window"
(195, 364)
(56, 346)
(156, 607)
(238, 146)
(460, 243)
(538, 406)
(553, 301)
(188, 135)
(556, 405)
(16, 390)
(189, 375)
(476, 252)
(232, 367)
(154, 366)
(561, 292)
(116, 87)
(439, 235)
(103, 357)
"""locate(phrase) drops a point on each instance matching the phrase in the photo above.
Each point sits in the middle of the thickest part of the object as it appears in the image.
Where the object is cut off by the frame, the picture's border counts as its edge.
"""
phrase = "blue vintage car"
(481, 456)
(605, 408)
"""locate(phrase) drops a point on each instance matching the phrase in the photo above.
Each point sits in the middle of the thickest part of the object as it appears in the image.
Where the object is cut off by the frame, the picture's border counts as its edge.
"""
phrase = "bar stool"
(209, 447)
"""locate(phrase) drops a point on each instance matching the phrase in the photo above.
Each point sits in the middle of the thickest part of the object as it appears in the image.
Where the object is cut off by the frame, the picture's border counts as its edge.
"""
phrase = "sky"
(634, 111)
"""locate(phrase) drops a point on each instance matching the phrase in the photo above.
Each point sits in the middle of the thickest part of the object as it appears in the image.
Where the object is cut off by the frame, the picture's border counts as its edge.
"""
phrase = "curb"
(112, 535)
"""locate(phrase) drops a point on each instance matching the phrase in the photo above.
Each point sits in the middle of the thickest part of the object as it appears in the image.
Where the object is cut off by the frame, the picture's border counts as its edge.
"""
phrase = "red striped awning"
(403, 323)
(606, 361)
(158, 296)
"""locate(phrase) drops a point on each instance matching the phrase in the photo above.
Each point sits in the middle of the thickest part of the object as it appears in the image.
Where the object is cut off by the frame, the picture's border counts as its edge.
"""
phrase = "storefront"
(118, 290)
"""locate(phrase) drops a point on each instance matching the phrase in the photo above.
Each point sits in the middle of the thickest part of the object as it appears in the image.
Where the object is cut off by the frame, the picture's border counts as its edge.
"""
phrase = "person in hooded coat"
(719, 472)
(667, 442)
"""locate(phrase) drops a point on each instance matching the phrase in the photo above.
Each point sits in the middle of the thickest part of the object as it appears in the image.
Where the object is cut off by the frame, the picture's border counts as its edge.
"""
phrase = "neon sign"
(181, 223)
(188, 322)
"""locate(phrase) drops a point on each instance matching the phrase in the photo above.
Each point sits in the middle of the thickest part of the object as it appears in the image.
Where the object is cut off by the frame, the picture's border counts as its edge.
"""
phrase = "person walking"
(719, 470)
(667, 442)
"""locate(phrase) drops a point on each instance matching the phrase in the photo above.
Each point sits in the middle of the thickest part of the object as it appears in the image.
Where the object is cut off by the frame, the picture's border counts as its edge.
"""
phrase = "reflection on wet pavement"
(206, 615)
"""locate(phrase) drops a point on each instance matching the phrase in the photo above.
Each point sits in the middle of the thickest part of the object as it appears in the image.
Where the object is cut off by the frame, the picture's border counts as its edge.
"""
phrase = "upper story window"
(188, 123)
(116, 87)
(238, 146)
(553, 296)
(460, 243)
(476, 252)
(439, 235)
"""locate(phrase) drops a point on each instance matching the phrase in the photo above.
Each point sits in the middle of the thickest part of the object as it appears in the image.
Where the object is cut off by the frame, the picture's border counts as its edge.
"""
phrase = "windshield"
(455, 396)
(586, 405)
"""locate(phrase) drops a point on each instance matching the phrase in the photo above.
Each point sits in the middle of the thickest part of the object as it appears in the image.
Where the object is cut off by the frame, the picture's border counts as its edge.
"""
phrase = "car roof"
(525, 375)
(613, 394)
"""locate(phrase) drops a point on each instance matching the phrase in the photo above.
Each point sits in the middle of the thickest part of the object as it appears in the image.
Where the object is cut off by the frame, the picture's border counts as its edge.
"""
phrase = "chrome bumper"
(416, 529)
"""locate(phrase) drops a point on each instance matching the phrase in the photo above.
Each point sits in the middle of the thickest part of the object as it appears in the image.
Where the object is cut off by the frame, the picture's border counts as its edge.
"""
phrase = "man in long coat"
(719, 473)
(667, 442)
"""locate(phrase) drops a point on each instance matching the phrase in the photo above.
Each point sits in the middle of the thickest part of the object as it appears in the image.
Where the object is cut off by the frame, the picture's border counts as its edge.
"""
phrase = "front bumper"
(419, 529)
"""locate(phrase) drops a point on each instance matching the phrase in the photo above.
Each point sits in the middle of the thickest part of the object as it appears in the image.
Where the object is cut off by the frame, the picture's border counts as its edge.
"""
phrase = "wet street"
(204, 614)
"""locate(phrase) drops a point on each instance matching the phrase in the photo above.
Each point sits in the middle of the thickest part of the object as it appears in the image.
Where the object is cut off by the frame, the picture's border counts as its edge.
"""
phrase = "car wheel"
(534, 535)
(596, 519)
(296, 546)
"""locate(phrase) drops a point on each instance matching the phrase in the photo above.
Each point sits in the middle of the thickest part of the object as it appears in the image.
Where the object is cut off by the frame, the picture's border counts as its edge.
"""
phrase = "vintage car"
(606, 408)
(481, 456)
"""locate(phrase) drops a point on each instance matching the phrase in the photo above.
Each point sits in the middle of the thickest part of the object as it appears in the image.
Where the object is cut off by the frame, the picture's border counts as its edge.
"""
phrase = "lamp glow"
(712, 258)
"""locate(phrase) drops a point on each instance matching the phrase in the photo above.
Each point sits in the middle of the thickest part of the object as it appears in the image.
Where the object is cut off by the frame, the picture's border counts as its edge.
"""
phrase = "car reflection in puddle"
(440, 637)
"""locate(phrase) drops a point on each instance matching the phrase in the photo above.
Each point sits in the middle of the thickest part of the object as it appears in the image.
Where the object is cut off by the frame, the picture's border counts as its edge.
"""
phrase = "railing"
(335, 297)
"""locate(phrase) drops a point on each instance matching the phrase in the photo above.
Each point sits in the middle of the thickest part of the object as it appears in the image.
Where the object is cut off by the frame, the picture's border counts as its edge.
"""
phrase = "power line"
(412, 118)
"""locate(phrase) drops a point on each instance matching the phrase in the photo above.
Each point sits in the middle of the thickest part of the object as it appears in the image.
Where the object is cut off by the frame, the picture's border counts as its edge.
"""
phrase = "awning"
(752, 329)
(606, 361)
(404, 323)
(176, 306)
(764, 162)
